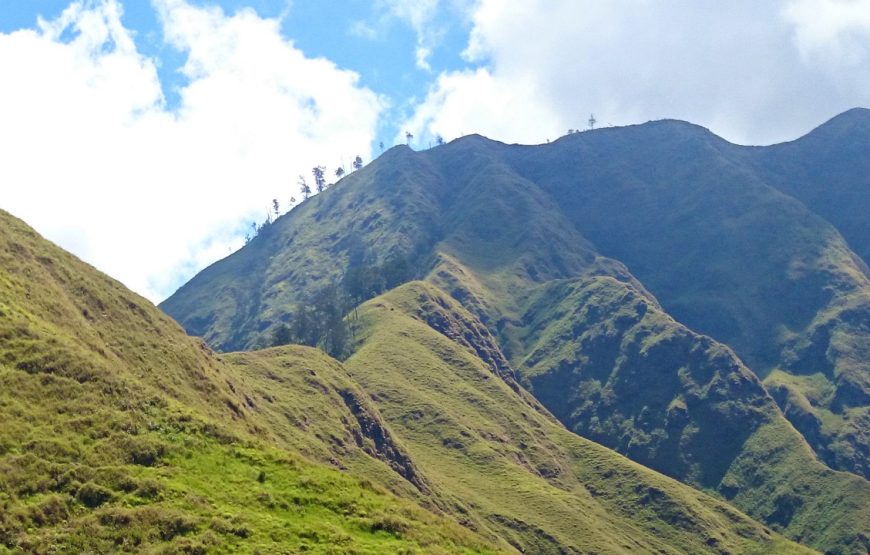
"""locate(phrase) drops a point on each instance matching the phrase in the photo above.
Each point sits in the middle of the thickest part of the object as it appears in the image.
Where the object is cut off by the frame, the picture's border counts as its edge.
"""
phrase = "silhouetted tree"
(381, 144)
(304, 188)
(395, 271)
(319, 180)
(339, 173)
(357, 163)
(276, 207)
(592, 121)
(439, 140)
(282, 335)
(408, 137)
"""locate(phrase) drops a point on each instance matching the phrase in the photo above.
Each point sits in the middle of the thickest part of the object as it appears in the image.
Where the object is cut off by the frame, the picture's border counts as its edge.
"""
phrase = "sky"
(147, 136)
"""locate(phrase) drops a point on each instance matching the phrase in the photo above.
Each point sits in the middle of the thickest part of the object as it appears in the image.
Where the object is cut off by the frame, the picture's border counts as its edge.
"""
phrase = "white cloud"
(754, 72)
(834, 32)
(419, 14)
(96, 162)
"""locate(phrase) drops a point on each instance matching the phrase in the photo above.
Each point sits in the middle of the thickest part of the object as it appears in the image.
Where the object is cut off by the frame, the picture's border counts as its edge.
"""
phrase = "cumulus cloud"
(94, 159)
(419, 14)
(754, 72)
(832, 32)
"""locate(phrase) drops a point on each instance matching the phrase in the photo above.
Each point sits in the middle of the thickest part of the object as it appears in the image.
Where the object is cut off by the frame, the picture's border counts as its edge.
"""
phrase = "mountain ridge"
(698, 226)
(289, 449)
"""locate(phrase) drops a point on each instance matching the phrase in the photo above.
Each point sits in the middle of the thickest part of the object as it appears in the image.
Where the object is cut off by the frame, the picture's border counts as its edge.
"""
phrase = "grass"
(509, 467)
(694, 229)
(120, 433)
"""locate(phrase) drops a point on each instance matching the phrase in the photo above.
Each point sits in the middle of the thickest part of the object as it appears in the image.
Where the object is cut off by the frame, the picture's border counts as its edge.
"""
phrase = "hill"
(122, 433)
(657, 250)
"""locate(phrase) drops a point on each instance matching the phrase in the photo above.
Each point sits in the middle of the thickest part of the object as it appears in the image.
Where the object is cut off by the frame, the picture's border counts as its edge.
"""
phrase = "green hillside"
(503, 461)
(663, 217)
(703, 226)
(120, 433)
(827, 171)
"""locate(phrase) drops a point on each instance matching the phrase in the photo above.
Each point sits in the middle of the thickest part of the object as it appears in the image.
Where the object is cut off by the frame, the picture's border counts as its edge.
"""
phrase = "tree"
(319, 180)
(439, 140)
(592, 121)
(276, 207)
(282, 335)
(304, 188)
(357, 163)
(408, 137)
(339, 172)
(381, 144)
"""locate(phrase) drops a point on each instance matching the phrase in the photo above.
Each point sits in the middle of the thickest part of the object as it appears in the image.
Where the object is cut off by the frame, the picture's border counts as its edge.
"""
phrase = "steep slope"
(729, 255)
(502, 460)
(708, 241)
(120, 433)
(827, 170)
(385, 209)
(614, 368)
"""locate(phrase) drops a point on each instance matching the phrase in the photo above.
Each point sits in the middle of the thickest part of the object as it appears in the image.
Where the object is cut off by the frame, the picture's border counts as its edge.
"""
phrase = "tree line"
(320, 185)
(326, 318)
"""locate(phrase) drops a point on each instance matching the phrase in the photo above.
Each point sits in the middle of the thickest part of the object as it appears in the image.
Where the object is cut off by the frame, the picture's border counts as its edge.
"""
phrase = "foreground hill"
(654, 287)
(122, 433)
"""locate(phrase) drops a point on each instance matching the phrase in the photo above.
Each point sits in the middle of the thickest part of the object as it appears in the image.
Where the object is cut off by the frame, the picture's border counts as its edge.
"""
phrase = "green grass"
(694, 229)
(120, 433)
(504, 462)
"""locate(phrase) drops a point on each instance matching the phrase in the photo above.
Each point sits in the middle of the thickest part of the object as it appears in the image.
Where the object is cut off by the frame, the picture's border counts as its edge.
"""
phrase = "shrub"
(93, 495)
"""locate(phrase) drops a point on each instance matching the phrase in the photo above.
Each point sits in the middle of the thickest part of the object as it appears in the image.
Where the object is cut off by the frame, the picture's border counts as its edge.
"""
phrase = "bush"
(50, 511)
(390, 524)
(93, 495)
(145, 452)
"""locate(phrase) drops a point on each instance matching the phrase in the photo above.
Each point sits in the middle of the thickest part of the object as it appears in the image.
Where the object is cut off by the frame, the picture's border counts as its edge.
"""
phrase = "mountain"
(121, 433)
(661, 291)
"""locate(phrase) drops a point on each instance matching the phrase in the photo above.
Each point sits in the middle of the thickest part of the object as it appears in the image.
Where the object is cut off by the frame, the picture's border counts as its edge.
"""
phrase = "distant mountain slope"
(829, 171)
(505, 463)
(729, 255)
(696, 228)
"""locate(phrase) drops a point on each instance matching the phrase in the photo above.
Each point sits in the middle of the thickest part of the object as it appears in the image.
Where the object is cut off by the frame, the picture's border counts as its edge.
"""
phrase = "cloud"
(834, 32)
(94, 159)
(754, 72)
(419, 14)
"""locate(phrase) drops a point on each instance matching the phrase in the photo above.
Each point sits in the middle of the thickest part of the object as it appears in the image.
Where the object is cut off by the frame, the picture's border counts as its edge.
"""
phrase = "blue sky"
(146, 136)
(360, 35)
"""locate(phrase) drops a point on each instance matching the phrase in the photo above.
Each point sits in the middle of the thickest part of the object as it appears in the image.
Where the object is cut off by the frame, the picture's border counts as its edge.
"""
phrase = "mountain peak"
(852, 120)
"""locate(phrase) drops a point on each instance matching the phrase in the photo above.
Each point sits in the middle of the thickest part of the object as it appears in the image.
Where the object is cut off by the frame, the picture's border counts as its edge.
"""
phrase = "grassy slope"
(701, 223)
(616, 369)
(99, 453)
(234, 304)
(120, 432)
(662, 197)
(827, 170)
(600, 353)
(507, 464)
